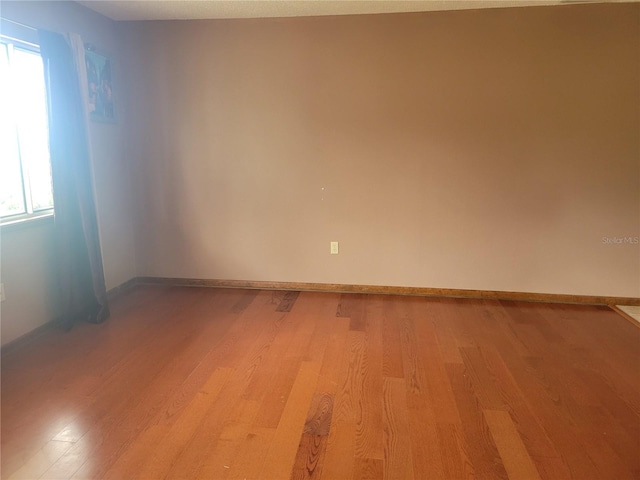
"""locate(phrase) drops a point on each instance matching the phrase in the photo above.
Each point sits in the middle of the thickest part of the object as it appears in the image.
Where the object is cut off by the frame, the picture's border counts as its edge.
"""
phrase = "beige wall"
(27, 261)
(477, 150)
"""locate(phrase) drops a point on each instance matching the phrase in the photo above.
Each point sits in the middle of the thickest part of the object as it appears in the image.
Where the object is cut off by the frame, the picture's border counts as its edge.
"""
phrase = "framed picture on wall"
(99, 86)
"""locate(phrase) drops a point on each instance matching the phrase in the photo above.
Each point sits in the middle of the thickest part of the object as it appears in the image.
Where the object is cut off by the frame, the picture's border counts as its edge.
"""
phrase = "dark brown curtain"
(81, 275)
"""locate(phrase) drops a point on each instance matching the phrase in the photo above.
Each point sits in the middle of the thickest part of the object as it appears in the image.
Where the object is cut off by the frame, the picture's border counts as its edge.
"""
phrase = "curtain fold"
(80, 269)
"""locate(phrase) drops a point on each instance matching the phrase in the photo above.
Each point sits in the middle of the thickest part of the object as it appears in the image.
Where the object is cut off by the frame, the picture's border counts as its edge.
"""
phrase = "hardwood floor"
(249, 384)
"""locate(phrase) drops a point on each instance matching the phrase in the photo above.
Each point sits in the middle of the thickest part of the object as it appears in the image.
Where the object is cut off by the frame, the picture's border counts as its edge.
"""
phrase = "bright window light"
(25, 168)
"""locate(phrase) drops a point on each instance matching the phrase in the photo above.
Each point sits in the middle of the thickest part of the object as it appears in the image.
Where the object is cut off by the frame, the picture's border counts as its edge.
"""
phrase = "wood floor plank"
(43, 459)
(534, 436)
(244, 301)
(413, 366)
(425, 447)
(347, 407)
(455, 461)
(334, 361)
(391, 346)
(309, 457)
(307, 338)
(159, 459)
(250, 455)
(186, 382)
(114, 411)
(225, 406)
(273, 402)
(608, 434)
(352, 306)
(438, 385)
(369, 419)
(448, 341)
(318, 420)
(247, 362)
(547, 407)
(556, 370)
(275, 349)
(133, 460)
(280, 460)
(481, 378)
(515, 457)
(26, 440)
(319, 309)
(481, 447)
(287, 302)
(313, 444)
(235, 431)
(601, 354)
(67, 465)
(398, 463)
(160, 388)
(339, 457)
(368, 469)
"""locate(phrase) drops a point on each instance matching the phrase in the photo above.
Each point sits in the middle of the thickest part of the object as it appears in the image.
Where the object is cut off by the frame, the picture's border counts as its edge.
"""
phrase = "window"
(25, 169)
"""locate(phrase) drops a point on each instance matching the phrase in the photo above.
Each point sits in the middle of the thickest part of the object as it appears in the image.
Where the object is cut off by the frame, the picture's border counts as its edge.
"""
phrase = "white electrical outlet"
(334, 248)
(1, 292)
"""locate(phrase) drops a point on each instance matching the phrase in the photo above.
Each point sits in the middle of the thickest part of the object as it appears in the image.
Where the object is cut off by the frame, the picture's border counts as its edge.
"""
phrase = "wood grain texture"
(282, 454)
(340, 452)
(287, 302)
(455, 461)
(397, 442)
(514, 454)
(368, 469)
(310, 456)
(236, 384)
(319, 418)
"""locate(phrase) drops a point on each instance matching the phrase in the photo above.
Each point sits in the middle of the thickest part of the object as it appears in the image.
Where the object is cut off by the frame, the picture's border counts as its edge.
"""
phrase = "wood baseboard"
(21, 341)
(390, 290)
(28, 337)
(343, 288)
(120, 289)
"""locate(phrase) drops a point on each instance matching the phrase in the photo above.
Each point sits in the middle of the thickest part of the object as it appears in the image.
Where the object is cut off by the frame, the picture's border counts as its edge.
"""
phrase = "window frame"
(31, 215)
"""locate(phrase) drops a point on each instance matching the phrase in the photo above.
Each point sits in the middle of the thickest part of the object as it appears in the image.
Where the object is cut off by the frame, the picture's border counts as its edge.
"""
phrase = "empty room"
(320, 239)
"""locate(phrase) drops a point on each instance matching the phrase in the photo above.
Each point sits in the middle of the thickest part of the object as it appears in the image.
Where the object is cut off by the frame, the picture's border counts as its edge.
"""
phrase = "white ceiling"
(202, 9)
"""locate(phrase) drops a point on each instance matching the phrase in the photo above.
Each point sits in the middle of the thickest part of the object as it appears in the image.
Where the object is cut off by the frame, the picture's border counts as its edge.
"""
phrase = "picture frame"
(101, 103)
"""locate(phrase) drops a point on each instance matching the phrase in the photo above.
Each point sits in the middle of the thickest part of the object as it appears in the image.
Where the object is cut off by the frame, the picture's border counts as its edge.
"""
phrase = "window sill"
(10, 225)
